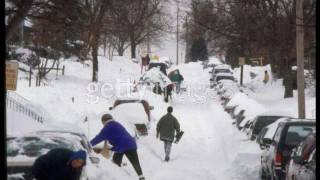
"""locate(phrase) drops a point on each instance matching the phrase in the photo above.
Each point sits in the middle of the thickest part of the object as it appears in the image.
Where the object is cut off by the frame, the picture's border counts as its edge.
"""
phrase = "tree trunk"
(288, 83)
(133, 45)
(120, 51)
(133, 50)
(23, 9)
(95, 62)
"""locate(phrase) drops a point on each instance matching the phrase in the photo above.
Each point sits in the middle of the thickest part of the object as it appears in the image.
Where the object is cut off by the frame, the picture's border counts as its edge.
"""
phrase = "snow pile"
(214, 60)
(154, 75)
(253, 75)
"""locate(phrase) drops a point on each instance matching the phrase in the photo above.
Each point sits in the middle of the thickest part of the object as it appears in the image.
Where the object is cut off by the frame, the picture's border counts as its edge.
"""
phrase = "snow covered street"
(211, 148)
(207, 150)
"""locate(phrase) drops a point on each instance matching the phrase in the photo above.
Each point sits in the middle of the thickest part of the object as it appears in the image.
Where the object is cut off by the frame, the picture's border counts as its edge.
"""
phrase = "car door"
(273, 149)
(308, 171)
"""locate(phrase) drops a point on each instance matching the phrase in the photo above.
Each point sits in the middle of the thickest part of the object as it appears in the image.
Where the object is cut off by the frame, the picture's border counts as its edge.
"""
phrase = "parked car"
(260, 122)
(300, 156)
(239, 117)
(268, 132)
(288, 135)
(23, 150)
(308, 169)
(221, 68)
(138, 118)
(221, 77)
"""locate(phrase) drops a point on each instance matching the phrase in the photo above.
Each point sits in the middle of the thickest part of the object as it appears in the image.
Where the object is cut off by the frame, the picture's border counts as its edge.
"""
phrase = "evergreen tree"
(199, 50)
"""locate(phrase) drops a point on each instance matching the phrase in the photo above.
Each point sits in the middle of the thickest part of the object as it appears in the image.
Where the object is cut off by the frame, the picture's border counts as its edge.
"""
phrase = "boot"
(167, 158)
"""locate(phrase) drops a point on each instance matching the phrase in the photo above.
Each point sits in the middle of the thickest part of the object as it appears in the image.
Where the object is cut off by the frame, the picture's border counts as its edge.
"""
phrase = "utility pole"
(21, 38)
(300, 58)
(148, 39)
(187, 41)
(177, 60)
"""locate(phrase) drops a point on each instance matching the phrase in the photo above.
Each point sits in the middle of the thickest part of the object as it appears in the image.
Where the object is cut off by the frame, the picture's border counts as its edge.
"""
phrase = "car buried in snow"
(23, 150)
(221, 78)
(134, 114)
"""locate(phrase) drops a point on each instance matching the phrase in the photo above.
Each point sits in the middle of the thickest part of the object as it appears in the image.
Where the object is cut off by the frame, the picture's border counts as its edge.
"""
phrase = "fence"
(19, 104)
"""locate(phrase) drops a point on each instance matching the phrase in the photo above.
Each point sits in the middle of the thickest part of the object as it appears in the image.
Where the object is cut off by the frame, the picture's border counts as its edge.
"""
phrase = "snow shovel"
(178, 136)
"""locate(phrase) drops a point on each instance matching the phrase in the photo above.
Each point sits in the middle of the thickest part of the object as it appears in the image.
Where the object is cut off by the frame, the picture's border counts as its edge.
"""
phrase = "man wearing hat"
(123, 143)
(59, 164)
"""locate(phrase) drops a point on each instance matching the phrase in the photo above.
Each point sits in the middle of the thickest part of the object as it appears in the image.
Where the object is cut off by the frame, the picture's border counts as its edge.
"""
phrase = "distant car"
(221, 77)
(134, 113)
(288, 135)
(23, 150)
(221, 68)
(308, 169)
(260, 122)
(300, 156)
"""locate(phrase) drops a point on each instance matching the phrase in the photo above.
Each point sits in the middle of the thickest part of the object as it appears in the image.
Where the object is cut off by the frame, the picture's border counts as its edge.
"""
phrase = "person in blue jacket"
(123, 143)
(59, 164)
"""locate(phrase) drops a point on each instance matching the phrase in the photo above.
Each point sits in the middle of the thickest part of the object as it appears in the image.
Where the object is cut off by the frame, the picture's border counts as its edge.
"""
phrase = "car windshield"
(35, 146)
(222, 71)
(219, 78)
(297, 133)
(263, 121)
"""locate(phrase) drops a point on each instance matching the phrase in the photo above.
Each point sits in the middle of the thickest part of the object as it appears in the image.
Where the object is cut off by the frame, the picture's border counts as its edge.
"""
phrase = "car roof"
(222, 66)
(290, 121)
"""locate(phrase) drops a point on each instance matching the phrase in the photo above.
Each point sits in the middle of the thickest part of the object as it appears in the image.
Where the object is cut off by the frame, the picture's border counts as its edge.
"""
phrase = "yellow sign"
(11, 75)
(155, 57)
(242, 61)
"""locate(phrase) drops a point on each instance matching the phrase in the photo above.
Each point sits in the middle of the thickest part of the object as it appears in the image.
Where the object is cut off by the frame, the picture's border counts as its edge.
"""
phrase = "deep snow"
(211, 147)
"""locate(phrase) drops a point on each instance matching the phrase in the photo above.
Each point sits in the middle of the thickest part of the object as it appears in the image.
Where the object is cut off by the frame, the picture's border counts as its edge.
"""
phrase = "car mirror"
(110, 108)
(151, 107)
(94, 160)
(266, 141)
(262, 146)
(297, 159)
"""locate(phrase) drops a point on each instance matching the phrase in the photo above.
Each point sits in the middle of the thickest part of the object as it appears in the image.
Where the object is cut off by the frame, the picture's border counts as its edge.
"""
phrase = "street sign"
(242, 61)
(11, 75)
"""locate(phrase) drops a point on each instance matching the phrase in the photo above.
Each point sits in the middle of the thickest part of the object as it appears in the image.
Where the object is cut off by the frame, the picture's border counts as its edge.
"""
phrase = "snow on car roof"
(130, 112)
(214, 60)
(222, 66)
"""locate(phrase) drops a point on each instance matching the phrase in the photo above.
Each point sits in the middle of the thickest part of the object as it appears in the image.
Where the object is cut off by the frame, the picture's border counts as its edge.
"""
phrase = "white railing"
(19, 104)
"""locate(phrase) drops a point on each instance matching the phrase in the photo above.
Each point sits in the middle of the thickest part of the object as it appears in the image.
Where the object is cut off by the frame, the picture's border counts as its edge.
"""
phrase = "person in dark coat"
(59, 164)
(168, 92)
(166, 128)
(123, 143)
